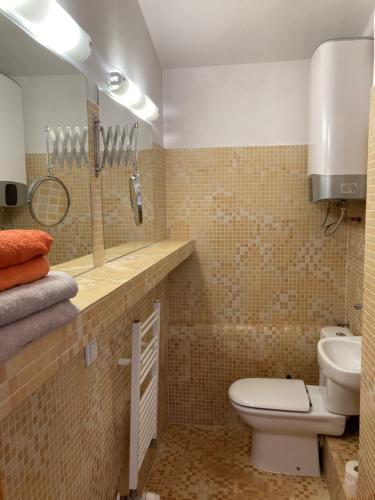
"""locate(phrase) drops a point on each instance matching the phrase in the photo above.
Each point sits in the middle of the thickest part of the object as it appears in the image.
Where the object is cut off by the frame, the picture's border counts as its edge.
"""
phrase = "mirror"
(38, 89)
(127, 192)
(135, 189)
(49, 200)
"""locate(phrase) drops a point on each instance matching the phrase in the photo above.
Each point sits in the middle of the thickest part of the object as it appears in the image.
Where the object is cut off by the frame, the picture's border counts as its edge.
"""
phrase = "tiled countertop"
(81, 265)
(118, 284)
(130, 269)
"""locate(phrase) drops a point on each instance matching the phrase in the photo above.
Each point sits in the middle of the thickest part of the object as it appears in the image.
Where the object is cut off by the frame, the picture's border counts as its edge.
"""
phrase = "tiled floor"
(212, 463)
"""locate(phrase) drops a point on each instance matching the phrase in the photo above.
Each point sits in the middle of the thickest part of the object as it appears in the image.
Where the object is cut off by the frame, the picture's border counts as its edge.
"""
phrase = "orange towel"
(21, 245)
(20, 274)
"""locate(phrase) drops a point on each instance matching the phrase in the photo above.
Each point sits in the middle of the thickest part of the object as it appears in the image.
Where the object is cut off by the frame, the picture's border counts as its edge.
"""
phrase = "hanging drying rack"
(67, 146)
(113, 145)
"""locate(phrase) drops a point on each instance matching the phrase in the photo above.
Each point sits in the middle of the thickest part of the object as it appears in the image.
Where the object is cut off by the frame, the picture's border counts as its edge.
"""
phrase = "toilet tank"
(334, 331)
(339, 104)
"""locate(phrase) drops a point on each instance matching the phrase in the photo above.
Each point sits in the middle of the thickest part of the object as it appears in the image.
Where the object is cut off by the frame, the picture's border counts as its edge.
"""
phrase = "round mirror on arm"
(48, 197)
(136, 198)
(49, 200)
(135, 180)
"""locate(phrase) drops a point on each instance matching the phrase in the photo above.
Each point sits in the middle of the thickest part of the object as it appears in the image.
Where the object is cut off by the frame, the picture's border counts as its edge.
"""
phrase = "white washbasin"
(340, 359)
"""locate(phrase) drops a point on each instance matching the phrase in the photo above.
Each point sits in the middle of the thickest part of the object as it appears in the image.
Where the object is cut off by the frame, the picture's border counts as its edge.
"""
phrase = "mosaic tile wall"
(337, 451)
(73, 237)
(119, 225)
(366, 481)
(160, 193)
(355, 267)
(96, 191)
(263, 281)
(70, 438)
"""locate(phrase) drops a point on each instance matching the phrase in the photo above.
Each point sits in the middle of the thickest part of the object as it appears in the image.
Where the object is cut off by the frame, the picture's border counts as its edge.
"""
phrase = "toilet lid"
(270, 394)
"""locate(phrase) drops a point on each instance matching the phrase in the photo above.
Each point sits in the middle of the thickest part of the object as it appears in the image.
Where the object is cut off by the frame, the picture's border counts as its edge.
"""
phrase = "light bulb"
(34, 11)
(140, 104)
(82, 51)
(51, 25)
(128, 93)
(58, 30)
(149, 111)
(10, 5)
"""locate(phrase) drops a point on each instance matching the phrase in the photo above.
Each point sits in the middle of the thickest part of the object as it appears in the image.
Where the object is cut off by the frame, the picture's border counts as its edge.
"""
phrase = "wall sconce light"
(127, 93)
(51, 26)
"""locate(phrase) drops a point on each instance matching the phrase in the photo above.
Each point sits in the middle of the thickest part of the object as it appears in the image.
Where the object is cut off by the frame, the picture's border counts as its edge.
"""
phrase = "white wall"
(56, 101)
(369, 31)
(241, 105)
(12, 140)
(112, 114)
(120, 39)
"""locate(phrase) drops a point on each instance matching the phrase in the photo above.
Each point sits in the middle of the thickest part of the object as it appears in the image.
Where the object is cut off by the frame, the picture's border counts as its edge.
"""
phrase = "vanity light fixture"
(51, 26)
(127, 93)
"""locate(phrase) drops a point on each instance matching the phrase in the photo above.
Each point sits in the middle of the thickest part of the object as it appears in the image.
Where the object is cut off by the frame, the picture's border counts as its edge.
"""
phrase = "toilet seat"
(271, 394)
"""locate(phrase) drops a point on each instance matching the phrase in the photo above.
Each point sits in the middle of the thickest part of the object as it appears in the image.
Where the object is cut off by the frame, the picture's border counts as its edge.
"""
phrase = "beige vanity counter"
(116, 286)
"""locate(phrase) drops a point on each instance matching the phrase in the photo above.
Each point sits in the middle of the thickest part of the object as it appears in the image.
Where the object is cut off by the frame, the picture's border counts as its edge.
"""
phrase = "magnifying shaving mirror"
(135, 180)
(48, 197)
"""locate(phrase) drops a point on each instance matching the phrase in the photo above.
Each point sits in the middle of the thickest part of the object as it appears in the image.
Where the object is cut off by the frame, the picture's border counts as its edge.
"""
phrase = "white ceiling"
(189, 33)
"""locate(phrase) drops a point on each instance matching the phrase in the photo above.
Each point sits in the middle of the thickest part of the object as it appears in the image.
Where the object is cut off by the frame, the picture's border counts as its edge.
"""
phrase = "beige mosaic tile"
(261, 257)
(104, 293)
(69, 439)
(119, 225)
(366, 481)
(206, 359)
(212, 462)
(338, 451)
(96, 191)
(355, 268)
(264, 278)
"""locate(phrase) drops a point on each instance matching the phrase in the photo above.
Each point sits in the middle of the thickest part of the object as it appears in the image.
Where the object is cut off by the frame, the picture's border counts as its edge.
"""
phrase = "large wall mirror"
(124, 232)
(38, 89)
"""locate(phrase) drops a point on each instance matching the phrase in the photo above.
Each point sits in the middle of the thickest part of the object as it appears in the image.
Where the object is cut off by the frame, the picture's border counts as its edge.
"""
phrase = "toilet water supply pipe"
(330, 228)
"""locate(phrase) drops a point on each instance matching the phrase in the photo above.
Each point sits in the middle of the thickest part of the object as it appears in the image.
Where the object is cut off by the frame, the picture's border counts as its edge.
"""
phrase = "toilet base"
(293, 455)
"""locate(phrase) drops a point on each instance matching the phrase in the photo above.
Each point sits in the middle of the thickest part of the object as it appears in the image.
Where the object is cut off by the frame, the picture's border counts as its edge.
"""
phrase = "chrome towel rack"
(144, 392)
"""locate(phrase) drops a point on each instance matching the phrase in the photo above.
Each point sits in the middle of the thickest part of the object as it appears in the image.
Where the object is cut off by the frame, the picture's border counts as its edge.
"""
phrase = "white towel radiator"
(144, 407)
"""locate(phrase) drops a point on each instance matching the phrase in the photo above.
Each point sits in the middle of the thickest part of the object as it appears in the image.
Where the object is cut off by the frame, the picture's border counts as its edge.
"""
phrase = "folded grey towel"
(21, 301)
(15, 336)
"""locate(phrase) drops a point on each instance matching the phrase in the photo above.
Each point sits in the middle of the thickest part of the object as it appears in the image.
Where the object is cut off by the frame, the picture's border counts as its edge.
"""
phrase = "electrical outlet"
(91, 353)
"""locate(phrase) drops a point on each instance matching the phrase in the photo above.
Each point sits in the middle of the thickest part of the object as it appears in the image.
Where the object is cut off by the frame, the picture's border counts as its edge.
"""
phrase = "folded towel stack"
(32, 300)
(22, 256)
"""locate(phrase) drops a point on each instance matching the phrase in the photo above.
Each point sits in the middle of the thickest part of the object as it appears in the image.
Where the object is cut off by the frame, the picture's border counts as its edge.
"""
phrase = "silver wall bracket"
(337, 187)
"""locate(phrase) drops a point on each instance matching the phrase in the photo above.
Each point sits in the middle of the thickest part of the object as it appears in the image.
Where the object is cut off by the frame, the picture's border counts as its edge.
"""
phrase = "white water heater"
(340, 84)
(13, 187)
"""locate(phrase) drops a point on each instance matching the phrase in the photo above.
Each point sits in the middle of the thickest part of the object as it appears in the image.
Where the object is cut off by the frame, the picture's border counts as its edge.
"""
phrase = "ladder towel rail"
(143, 413)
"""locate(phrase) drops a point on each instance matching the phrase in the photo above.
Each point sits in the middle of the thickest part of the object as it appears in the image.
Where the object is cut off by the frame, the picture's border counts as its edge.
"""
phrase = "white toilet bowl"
(286, 417)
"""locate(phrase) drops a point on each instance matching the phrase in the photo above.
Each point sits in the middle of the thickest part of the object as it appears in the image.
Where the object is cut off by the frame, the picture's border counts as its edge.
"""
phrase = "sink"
(340, 360)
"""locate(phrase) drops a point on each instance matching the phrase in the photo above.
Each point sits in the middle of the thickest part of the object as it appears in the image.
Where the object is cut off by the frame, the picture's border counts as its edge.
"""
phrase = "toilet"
(286, 417)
